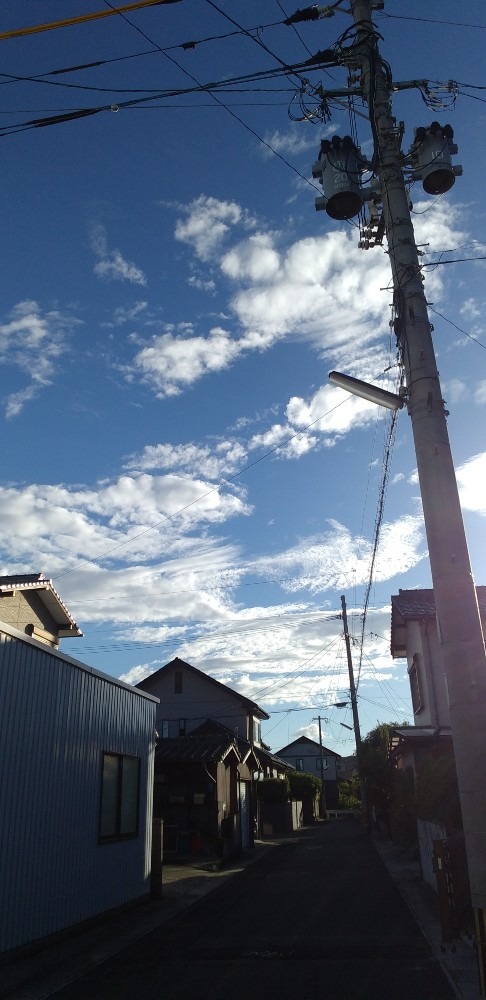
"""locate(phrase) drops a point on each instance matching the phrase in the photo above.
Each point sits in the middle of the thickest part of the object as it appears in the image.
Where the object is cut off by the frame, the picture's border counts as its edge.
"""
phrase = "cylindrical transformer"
(339, 176)
(433, 162)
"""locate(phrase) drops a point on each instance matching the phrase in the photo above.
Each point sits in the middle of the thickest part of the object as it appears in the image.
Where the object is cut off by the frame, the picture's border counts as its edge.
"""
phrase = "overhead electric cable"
(81, 18)
(456, 327)
(431, 20)
(378, 524)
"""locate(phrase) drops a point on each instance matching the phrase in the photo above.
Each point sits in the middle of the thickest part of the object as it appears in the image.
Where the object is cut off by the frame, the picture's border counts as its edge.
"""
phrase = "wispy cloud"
(32, 342)
(328, 561)
(291, 142)
(207, 222)
(111, 263)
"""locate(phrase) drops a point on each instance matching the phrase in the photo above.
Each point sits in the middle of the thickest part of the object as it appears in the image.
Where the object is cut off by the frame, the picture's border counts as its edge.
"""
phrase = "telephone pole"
(459, 623)
(354, 706)
(323, 789)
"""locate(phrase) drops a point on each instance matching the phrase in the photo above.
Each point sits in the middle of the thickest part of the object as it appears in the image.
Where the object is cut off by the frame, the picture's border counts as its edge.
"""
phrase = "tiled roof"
(204, 749)
(266, 757)
(418, 604)
(49, 596)
(262, 754)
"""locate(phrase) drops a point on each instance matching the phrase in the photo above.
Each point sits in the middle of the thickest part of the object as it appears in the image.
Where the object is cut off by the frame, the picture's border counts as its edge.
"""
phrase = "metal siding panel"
(57, 721)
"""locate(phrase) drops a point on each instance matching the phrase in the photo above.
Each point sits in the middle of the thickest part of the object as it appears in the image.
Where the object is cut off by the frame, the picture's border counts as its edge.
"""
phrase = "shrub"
(273, 790)
(304, 786)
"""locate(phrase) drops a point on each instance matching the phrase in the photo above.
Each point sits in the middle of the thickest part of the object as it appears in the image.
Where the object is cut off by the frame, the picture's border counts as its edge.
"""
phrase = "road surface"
(318, 918)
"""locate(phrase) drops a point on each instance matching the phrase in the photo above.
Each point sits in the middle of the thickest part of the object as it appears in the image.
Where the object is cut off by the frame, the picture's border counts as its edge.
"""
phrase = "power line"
(456, 327)
(81, 19)
(431, 20)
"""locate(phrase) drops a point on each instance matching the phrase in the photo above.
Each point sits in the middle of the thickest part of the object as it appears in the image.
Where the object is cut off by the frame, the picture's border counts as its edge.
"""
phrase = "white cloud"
(111, 263)
(292, 142)
(455, 390)
(171, 363)
(323, 289)
(471, 478)
(32, 343)
(471, 309)
(126, 314)
(213, 463)
(207, 223)
(480, 393)
(133, 518)
(201, 284)
(255, 259)
(329, 561)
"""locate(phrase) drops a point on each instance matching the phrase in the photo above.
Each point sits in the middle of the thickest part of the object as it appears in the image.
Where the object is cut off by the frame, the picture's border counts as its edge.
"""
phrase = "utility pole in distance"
(354, 707)
(458, 618)
(323, 790)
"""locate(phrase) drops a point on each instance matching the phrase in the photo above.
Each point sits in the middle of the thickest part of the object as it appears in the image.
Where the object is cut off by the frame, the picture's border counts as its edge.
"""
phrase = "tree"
(377, 770)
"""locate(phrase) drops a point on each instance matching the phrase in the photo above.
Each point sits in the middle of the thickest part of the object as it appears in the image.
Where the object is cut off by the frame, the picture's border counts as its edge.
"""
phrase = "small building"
(209, 756)
(307, 755)
(76, 750)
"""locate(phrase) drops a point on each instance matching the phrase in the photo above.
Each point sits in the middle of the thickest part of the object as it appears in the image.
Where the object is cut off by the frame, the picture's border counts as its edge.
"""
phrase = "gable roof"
(47, 594)
(417, 605)
(178, 664)
(196, 749)
(312, 746)
(262, 754)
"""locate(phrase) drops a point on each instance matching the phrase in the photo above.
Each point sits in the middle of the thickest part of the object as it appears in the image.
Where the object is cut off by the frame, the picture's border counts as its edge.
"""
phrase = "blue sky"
(173, 456)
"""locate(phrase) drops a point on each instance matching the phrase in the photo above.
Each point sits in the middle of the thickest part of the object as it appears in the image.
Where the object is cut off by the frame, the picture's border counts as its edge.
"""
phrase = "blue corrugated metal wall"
(56, 718)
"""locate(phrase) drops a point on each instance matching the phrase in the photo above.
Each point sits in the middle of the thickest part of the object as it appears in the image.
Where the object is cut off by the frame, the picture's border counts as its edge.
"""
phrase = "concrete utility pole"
(354, 704)
(323, 790)
(456, 603)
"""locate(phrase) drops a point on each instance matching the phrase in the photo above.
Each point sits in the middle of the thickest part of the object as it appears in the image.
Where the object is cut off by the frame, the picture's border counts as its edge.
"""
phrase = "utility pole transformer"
(458, 617)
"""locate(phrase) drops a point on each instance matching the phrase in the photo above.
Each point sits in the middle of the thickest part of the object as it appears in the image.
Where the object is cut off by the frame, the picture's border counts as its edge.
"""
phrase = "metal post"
(458, 618)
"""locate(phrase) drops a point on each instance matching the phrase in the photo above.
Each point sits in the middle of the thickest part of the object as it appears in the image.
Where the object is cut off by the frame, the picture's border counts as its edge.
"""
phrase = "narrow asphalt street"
(319, 917)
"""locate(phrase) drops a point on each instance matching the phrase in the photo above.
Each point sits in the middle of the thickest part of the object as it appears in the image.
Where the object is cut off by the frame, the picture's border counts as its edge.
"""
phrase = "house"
(427, 747)
(307, 755)
(209, 756)
(415, 637)
(76, 793)
(30, 603)
(347, 768)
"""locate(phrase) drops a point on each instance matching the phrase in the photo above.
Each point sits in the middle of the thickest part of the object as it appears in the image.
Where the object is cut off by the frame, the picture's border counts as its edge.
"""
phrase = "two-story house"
(415, 637)
(425, 747)
(307, 755)
(209, 756)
